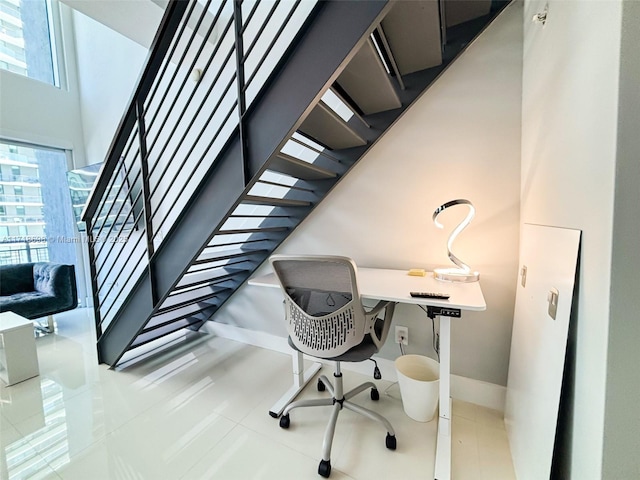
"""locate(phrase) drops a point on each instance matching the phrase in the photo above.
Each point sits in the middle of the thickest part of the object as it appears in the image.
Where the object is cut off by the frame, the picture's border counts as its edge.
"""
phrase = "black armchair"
(35, 290)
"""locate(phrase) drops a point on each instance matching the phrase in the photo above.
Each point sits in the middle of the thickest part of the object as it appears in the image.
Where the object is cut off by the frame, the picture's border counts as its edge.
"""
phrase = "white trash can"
(419, 381)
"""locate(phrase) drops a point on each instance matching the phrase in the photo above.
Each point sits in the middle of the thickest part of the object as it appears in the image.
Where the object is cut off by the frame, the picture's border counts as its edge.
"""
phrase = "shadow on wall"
(563, 447)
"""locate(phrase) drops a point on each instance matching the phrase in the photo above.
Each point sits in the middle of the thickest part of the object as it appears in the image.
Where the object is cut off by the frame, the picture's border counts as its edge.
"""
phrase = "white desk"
(394, 286)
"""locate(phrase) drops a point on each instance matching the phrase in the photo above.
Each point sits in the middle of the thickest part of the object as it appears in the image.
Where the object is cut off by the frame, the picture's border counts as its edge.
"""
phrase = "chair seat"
(361, 352)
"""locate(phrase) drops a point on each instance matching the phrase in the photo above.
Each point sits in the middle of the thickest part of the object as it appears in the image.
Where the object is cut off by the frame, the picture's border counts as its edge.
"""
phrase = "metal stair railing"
(208, 62)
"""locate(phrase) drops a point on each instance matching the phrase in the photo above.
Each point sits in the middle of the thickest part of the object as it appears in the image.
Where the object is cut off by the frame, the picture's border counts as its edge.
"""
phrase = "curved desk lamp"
(463, 273)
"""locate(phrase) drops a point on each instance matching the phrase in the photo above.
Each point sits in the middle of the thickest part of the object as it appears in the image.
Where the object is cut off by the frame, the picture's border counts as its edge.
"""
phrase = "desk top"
(395, 285)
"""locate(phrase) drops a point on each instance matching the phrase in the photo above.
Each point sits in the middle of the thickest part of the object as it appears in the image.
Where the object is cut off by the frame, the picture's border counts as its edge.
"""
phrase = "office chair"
(326, 319)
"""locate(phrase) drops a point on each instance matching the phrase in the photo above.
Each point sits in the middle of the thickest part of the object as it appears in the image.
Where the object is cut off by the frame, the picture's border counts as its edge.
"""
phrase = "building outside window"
(27, 45)
(35, 214)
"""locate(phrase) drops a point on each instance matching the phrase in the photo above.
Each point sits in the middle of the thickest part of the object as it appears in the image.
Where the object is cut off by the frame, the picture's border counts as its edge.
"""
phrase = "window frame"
(56, 43)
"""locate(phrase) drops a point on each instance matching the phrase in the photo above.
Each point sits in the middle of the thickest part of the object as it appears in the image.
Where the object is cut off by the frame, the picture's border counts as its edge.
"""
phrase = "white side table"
(18, 355)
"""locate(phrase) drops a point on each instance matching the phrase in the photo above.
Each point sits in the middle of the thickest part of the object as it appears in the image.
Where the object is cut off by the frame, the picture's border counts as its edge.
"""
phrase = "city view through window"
(36, 220)
(26, 39)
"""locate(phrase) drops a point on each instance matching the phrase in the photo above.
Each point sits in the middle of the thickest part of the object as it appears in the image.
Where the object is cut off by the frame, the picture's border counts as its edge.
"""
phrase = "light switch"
(552, 298)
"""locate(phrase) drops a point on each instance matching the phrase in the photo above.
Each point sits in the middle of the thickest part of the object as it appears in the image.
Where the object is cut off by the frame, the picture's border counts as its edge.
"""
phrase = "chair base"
(338, 400)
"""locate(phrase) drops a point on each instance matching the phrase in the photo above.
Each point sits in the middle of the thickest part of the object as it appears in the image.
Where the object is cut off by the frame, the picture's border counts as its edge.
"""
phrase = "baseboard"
(466, 389)
(250, 337)
(481, 393)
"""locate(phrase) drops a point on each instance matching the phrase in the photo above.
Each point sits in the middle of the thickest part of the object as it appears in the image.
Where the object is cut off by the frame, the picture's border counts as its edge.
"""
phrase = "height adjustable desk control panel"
(433, 312)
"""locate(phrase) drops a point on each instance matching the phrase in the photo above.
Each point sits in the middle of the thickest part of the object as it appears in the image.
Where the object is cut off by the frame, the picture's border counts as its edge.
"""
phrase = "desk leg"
(443, 445)
(300, 380)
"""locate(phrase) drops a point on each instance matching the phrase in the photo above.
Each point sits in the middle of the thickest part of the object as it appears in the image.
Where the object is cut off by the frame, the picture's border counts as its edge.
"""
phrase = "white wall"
(39, 113)
(460, 140)
(570, 92)
(622, 416)
(108, 68)
(135, 19)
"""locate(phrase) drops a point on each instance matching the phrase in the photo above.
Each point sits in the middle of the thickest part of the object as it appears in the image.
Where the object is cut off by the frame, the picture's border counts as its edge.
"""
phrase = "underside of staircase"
(219, 157)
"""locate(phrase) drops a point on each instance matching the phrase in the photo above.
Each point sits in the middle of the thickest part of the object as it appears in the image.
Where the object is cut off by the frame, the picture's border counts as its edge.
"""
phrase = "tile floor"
(200, 412)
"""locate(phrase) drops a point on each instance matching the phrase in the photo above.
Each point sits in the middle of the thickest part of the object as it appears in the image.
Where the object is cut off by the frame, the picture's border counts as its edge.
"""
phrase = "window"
(27, 42)
(37, 217)
(22, 212)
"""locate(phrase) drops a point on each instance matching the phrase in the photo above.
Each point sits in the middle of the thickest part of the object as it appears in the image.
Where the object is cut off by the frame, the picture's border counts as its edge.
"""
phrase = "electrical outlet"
(402, 335)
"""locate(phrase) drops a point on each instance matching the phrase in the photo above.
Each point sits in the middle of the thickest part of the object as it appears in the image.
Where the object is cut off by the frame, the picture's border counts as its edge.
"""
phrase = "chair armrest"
(372, 316)
(58, 281)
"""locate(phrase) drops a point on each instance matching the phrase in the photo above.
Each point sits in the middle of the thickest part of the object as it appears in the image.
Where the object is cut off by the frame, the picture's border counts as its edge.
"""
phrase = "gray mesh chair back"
(324, 315)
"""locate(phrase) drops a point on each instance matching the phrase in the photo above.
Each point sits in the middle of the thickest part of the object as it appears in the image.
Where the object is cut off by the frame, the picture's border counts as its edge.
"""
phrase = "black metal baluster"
(94, 278)
(146, 195)
(242, 105)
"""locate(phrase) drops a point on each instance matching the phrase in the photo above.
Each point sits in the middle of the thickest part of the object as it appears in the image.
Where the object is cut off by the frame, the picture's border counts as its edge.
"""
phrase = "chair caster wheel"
(321, 387)
(285, 421)
(391, 441)
(324, 469)
(375, 394)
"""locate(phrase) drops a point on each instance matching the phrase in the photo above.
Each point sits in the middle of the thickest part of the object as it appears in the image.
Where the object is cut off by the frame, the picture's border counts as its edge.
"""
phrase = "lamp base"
(455, 275)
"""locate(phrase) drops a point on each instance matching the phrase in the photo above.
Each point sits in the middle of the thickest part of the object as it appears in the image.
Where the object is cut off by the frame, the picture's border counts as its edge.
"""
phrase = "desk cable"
(435, 336)
(435, 344)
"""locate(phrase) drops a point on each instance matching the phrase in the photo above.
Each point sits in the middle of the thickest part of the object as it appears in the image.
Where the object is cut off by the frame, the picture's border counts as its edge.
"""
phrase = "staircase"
(246, 115)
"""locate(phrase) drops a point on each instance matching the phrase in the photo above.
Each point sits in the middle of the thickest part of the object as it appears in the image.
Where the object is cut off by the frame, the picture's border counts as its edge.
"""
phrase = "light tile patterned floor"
(200, 412)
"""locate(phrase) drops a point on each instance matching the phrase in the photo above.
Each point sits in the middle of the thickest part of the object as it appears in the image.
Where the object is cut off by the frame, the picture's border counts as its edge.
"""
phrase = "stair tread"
(278, 202)
(252, 230)
(460, 12)
(413, 32)
(176, 314)
(327, 128)
(188, 297)
(208, 276)
(294, 167)
(162, 331)
(206, 257)
(367, 82)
